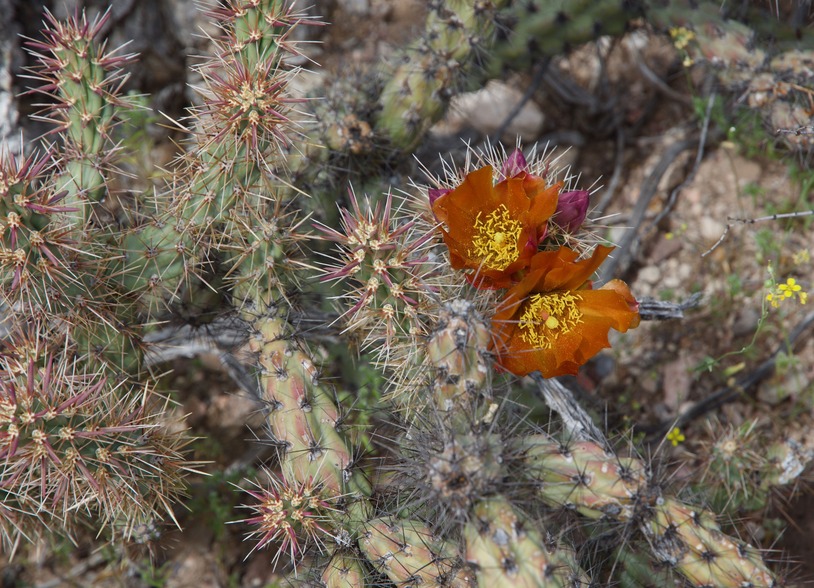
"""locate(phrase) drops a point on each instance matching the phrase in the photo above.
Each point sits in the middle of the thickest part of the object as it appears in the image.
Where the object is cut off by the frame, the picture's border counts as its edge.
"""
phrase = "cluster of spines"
(75, 445)
(386, 272)
(744, 466)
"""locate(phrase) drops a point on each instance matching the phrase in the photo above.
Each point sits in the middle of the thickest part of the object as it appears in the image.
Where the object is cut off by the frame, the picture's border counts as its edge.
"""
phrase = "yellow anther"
(546, 316)
(495, 240)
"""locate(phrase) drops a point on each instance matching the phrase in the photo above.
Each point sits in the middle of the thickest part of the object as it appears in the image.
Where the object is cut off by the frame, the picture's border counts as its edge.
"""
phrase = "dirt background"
(618, 108)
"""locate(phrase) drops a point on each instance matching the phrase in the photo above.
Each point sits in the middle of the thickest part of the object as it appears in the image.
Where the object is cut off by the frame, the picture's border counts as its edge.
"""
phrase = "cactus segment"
(507, 550)
(408, 553)
(459, 352)
(539, 28)
(85, 81)
(583, 475)
(416, 93)
(76, 445)
(689, 540)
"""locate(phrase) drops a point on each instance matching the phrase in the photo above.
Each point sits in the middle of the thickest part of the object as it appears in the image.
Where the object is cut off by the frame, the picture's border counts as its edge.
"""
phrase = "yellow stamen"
(546, 316)
(495, 240)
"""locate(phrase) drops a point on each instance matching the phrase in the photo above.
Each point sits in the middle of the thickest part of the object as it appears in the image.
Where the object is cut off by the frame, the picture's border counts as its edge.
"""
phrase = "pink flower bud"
(514, 164)
(436, 193)
(571, 210)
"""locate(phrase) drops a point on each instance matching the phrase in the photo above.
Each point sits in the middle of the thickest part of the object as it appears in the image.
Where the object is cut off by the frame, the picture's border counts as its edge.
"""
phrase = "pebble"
(650, 275)
(355, 7)
(487, 109)
(710, 228)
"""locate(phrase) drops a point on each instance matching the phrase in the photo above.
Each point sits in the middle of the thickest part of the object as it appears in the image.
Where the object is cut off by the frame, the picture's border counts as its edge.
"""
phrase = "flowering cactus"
(485, 274)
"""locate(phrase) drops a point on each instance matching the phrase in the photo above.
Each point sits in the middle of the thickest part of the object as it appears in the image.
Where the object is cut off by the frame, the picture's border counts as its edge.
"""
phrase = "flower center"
(546, 316)
(495, 240)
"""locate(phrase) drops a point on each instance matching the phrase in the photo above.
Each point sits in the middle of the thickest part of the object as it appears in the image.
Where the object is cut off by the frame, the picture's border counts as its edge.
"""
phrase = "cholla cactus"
(75, 444)
(491, 268)
(417, 91)
(390, 274)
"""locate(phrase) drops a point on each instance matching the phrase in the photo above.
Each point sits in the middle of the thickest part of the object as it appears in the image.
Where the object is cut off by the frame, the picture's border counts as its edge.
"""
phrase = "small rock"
(710, 228)
(665, 248)
(650, 275)
(677, 382)
(355, 7)
(230, 413)
(487, 109)
(684, 271)
(746, 322)
(195, 569)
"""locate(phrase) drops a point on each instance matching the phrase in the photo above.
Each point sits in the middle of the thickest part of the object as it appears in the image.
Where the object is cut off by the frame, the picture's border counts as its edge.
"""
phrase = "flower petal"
(495, 229)
(565, 347)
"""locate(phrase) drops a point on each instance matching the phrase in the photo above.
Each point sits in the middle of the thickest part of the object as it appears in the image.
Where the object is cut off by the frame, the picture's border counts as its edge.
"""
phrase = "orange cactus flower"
(495, 229)
(552, 321)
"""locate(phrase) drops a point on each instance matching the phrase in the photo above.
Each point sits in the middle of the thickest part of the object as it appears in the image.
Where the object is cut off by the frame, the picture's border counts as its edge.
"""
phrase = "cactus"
(76, 446)
(598, 484)
(485, 274)
(505, 549)
(744, 465)
(417, 90)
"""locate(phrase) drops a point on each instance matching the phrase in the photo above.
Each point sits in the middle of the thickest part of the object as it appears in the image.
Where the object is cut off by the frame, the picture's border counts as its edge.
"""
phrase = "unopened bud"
(436, 193)
(515, 163)
(571, 210)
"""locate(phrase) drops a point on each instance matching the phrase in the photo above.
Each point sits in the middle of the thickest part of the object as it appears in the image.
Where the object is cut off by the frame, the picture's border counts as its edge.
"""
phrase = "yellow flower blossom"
(791, 289)
(676, 436)
(801, 257)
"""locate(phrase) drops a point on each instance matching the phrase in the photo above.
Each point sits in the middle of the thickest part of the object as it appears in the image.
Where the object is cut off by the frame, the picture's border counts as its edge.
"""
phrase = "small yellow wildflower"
(681, 230)
(676, 436)
(801, 257)
(791, 289)
(681, 37)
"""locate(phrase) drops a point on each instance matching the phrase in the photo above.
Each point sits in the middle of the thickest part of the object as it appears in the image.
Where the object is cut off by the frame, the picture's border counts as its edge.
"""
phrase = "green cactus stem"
(418, 90)
(408, 553)
(598, 484)
(86, 83)
(508, 550)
